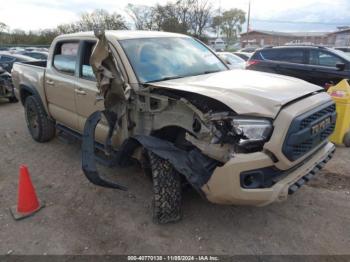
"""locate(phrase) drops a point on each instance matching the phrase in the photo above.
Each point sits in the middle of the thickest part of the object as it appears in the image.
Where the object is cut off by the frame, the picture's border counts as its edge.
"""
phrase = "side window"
(323, 58)
(85, 68)
(292, 56)
(65, 57)
(6, 59)
(284, 55)
(269, 54)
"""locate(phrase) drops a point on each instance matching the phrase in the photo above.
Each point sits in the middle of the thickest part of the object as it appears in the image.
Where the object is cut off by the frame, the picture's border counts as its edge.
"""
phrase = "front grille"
(309, 130)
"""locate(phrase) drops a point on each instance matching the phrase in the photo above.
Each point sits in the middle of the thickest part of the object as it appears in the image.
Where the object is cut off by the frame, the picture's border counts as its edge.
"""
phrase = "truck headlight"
(252, 130)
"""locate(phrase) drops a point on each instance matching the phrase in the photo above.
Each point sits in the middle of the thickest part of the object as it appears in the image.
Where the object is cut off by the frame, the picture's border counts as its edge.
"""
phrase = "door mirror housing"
(340, 66)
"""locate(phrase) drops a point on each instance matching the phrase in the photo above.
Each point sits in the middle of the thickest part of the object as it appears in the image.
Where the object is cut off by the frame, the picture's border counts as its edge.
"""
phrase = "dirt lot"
(81, 218)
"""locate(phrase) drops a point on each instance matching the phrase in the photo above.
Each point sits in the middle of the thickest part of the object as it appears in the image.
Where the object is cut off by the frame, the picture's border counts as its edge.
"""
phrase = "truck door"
(60, 80)
(86, 94)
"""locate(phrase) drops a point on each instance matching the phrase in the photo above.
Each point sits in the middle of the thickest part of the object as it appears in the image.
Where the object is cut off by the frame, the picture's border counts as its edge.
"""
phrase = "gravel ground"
(81, 218)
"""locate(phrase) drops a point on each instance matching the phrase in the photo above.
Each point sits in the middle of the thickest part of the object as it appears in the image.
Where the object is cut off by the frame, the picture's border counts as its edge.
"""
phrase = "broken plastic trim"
(88, 149)
(196, 167)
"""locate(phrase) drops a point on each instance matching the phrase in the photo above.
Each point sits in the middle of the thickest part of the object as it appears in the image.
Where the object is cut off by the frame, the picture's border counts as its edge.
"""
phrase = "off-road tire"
(43, 129)
(167, 196)
(346, 139)
(13, 99)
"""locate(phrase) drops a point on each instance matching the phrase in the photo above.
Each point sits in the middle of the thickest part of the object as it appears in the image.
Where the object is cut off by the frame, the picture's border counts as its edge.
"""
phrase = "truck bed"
(29, 74)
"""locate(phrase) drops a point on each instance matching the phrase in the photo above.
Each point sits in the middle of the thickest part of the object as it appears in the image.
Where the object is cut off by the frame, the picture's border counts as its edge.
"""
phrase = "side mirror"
(340, 66)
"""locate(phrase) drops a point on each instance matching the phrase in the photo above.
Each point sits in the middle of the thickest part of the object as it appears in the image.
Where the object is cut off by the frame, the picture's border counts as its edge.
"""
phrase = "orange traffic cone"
(28, 202)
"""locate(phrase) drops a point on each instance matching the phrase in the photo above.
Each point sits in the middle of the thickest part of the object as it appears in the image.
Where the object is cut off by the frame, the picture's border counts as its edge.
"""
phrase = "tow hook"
(88, 149)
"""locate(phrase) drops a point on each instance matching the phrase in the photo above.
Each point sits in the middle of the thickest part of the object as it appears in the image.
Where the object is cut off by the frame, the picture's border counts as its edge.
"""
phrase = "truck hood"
(244, 91)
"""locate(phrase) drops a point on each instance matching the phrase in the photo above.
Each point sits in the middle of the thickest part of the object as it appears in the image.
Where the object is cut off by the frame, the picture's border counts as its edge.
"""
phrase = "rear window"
(284, 55)
(65, 57)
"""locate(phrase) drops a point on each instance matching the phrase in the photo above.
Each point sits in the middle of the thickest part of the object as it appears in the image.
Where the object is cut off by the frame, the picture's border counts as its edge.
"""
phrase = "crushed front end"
(297, 149)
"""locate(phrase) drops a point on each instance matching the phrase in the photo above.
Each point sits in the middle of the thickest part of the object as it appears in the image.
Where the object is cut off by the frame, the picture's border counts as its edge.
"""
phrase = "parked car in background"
(231, 60)
(244, 55)
(248, 49)
(6, 86)
(40, 55)
(318, 65)
(7, 59)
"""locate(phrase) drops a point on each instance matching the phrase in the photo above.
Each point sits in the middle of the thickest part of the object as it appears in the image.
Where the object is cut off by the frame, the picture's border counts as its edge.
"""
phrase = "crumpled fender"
(196, 167)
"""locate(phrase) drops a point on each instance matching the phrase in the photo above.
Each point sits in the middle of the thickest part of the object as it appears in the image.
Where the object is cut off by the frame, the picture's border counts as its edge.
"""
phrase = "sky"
(276, 15)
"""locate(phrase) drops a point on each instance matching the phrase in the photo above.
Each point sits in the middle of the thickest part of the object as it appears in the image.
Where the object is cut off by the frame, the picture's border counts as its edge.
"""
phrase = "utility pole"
(218, 29)
(248, 24)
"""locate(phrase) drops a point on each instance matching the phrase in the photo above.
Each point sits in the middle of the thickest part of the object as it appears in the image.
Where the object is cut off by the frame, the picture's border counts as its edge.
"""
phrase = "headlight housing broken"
(254, 132)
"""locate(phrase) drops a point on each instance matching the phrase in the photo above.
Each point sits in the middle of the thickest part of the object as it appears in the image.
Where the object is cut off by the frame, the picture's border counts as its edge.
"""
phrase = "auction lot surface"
(81, 218)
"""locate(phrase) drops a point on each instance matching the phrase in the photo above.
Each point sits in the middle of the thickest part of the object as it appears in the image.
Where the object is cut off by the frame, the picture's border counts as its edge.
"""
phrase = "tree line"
(191, 17)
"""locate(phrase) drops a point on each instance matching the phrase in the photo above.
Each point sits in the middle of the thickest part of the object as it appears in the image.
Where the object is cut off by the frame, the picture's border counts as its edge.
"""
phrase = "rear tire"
(41, 127)
(167, 197)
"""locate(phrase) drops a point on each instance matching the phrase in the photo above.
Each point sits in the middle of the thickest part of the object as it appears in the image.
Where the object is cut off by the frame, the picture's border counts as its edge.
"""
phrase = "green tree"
(230, 23)
(98, 18)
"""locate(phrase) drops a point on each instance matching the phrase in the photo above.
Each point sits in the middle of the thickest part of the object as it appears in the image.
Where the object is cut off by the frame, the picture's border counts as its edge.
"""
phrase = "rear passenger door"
(292, 62)
(60, 81)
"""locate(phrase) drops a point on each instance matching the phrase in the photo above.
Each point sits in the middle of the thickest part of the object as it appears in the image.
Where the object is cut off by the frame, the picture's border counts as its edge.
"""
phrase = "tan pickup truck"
(237, 137)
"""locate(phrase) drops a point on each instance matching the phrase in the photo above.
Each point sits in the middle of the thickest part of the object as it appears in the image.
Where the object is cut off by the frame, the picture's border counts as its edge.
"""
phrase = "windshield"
(157, 59)
(342, 54)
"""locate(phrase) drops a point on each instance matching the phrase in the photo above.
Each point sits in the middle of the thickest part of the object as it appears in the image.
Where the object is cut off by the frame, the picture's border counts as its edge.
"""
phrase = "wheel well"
(174, 134)
(169, 133)
(24, 93)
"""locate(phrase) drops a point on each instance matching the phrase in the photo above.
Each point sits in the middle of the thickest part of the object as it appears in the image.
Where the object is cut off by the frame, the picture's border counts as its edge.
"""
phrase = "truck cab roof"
(123, 34)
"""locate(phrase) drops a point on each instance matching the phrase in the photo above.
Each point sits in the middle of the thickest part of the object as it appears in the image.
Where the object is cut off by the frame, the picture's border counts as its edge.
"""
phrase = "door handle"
(50, 82)
(80, 92)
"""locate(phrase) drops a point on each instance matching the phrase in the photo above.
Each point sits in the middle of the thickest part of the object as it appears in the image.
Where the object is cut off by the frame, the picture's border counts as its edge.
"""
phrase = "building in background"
(261, 38)
(340, 38)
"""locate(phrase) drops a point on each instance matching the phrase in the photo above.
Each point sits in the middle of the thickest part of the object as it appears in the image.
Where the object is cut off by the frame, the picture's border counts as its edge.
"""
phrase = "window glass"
(269, 54)
(292, 56)
(154, 59)
(86, 69)
(5, 59)
(65, 57)
(37, 56)
(285, 55)
(323, 58)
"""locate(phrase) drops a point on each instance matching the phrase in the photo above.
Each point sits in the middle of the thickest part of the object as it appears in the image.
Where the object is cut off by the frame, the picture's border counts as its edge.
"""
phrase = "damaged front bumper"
(226, 187)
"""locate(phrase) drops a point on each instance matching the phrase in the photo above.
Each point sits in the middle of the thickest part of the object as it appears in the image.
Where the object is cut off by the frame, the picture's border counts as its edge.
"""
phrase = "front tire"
(41, 128)
(167, 199)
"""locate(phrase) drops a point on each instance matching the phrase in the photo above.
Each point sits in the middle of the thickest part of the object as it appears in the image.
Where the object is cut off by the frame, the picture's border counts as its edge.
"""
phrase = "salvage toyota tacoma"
(237, 137)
